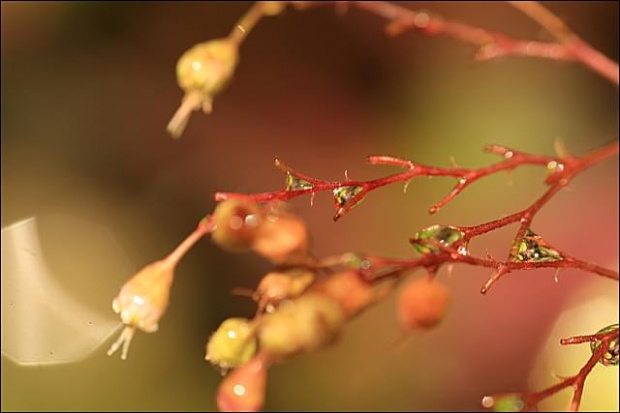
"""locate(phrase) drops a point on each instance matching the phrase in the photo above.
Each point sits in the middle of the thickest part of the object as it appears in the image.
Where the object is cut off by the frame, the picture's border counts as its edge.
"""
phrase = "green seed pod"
(533, 248)
(611, 356)
(232, 344)
(445, 235)
(236, 224)
(306, 324)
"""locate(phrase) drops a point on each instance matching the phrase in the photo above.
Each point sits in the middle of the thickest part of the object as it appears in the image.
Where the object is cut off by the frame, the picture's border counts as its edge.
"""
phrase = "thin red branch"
(492, 44)
(529, 401)
(563, 170)
(577, 381)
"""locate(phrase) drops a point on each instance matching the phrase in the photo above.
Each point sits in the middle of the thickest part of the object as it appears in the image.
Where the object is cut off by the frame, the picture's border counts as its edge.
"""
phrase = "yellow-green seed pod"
(208, 66)
(202, 72)
(232, 344)
(304, 325)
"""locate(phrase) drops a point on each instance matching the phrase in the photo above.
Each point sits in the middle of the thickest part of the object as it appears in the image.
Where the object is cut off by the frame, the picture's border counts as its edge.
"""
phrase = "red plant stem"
(579, 49)
(493, 44)
(566, 168)
(204, 227)
(588, 338)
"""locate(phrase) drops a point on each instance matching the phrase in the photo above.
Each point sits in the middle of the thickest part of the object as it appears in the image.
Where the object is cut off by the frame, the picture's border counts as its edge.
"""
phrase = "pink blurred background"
(87, 90)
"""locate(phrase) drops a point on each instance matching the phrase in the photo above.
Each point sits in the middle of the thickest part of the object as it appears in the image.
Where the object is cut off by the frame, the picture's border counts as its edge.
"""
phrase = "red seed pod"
(282, 238)
(349, 290)
(277, 286)
(422, 304)
(243, 390)
(236, 224)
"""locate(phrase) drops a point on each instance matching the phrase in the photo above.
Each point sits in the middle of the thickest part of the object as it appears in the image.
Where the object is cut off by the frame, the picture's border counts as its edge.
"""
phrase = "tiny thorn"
(400, 341)
(432, 210)
(556, 278)
(560, 148)
(492, 280)
(453, 162)
(346, 174)
(406, 186)
(312, 198)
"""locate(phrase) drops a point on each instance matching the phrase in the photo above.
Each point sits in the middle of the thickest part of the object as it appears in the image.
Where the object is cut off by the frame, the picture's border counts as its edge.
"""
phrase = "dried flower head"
(142, 301)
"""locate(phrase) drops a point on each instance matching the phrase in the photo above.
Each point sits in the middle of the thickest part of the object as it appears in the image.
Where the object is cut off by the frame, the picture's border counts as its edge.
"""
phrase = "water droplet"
(509, 402)
(445, 235)
(294, 183)
(533, 248)
(421, 19)
(344, 194)
(508, 154)
(611, 357)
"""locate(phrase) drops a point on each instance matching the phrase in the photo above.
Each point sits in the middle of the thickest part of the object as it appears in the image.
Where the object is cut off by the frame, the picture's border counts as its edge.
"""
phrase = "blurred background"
(87, 91)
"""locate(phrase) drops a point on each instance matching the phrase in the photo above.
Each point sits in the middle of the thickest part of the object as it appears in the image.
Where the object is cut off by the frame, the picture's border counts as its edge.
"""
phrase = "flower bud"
(243, 390)
(305, 324)
(422, 304)
(236, 224)
(142, 301)
(349, 290)
(277, 286)
(282, 239)
(232, 344)
(202, 71)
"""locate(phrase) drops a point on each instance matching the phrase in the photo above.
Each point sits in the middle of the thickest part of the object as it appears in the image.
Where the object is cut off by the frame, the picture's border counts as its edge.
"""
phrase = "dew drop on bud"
(294, 183)
(236, 224)
(243, 390)
(611, 357)
(533, 248)
(508, 402)
(344, 194)
(445, 235)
